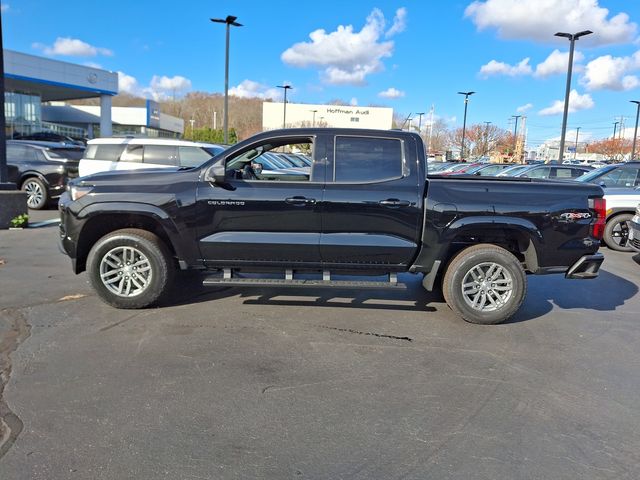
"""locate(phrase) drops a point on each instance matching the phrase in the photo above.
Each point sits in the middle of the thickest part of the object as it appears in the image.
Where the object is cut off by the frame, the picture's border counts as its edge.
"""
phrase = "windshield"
(215, 150)
(69, 153)
(595, 174)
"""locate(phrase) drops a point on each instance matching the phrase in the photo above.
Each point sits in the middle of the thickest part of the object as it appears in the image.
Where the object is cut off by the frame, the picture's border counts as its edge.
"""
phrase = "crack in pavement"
(10, 424)
(373, 334)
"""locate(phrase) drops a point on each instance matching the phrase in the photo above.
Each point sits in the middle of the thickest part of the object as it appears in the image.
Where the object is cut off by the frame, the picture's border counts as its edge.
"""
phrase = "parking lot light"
(284, 116)
(572, 38)
(635, 131)
(464, 122)
(230, 20)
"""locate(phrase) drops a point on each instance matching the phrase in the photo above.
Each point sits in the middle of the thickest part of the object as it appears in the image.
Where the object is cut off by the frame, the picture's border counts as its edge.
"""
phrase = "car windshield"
(598, 172)
(214, 150)
(70, 153)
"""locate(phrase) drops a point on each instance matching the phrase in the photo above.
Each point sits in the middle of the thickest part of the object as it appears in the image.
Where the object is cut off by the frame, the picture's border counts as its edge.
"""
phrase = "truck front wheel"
(130, 268)
(484, 284)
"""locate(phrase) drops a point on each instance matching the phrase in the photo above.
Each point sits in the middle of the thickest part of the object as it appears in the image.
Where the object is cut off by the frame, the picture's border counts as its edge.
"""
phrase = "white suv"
(105, 154)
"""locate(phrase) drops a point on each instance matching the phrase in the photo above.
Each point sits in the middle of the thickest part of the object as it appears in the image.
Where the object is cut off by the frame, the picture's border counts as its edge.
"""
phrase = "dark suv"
(42, 169)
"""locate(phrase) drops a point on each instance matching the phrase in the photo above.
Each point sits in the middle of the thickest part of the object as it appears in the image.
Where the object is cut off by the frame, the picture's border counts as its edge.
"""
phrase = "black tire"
(38, 196)
(506, 294)
(616, 233)
(138, 288)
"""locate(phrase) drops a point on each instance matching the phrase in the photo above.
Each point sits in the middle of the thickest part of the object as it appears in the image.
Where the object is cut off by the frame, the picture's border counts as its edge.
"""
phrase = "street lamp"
(615, 127)
(284, 117)
(420, 122)
(464, 123)
(230, 20)
(515, 135)
(575, 153)
(572, 38)
(314, 117)
(635, 132)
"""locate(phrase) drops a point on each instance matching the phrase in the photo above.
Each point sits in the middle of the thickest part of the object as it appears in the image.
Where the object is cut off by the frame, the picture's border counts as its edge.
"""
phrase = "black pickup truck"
(366, 207)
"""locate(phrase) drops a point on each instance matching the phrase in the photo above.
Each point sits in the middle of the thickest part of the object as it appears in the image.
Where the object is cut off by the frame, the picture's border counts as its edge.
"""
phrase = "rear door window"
(543, 172)
(109, 153)
(367, 160)
(161, 154)
(620, 177)
(133, 153)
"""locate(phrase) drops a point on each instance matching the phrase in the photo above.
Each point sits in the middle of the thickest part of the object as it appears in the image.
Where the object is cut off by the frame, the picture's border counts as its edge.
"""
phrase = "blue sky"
(419, 52)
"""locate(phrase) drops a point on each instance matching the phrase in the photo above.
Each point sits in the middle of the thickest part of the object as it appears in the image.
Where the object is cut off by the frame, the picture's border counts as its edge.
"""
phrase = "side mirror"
(216, 173)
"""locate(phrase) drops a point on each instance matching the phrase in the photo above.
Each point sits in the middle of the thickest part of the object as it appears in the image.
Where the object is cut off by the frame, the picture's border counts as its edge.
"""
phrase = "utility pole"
(420, 122)
(405, 122)
(430, 128)
(572, 38)
(464, 123)
(575, 153)
(230, 20)
(314, 117)
(486, 138)
(284, 114)
(621, 129)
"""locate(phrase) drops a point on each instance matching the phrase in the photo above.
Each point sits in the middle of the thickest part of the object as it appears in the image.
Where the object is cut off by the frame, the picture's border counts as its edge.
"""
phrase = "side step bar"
(228, 280)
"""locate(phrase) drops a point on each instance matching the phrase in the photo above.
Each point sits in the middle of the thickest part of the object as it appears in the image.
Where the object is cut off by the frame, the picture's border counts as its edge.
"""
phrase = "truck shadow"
(603, 294)
(189, 290)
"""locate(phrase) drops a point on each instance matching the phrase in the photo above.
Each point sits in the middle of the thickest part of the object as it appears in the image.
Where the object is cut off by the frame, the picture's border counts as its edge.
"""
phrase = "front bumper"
(585, 268)
(634, 233)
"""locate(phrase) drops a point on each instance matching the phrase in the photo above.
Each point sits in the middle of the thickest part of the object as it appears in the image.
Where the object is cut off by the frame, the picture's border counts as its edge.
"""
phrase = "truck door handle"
(300, 201)
(394, 202)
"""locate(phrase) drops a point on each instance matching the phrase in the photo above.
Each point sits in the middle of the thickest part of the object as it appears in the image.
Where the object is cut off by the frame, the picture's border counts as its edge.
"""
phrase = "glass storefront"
(22, 113)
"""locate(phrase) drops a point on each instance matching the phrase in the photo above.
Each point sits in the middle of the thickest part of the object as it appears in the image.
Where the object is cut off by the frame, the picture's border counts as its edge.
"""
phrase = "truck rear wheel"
(484, 284)
(130, 268)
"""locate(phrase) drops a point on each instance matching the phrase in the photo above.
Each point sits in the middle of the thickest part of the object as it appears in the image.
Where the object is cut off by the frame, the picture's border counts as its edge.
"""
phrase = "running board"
(227, 280)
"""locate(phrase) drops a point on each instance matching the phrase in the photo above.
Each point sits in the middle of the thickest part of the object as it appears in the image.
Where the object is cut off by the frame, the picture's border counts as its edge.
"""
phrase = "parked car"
(553, 172)
(367, 209)
(46, 136)
(458, 169)
(42, 169)
(488, 169)
(105, 154)
(512, 170)
(621, 206)
(622, 175)
(434, 167)
(634, 230)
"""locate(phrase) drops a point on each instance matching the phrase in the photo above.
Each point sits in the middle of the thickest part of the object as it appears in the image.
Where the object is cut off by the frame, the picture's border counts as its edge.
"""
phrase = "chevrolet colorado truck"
(367, 207)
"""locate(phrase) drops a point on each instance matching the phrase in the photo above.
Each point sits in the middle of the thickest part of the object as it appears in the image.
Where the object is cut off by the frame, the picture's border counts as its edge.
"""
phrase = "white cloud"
(576, 102)
(539, 20)
(391, 93)
(347, 57)
(524, 108)
(128, 84)
(72, 47)
(251, 89)
(399, 23)
(557, 62)
(612, 73)
(500, 68)
(160, 88)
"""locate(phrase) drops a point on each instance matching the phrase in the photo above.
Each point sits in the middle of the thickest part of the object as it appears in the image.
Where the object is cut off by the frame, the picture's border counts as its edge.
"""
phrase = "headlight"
(78, 191)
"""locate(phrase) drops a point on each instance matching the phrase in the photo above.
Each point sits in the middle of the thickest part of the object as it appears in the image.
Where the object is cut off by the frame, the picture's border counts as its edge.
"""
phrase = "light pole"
(486, 138)
(572, 38)
(284, 115)
(420, 122)
(314, 117)
(615, 127)
(230, 20)
(575, 153)
(464, 122)
(635, 132)
(515, 135)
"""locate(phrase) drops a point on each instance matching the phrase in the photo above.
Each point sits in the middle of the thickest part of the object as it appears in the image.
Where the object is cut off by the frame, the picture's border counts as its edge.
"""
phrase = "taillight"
(600, 207)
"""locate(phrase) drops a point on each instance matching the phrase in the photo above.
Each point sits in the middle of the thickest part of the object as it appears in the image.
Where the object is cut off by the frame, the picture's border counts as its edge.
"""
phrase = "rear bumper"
(634, 233)
(585, 268)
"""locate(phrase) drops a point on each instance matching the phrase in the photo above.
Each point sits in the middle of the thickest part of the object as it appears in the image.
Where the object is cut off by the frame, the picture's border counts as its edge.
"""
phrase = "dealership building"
(37, 90)
(307, 115)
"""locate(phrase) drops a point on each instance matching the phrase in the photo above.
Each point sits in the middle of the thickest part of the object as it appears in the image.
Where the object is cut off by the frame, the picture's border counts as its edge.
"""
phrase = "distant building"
(147, 120)
(31, 81)
(307, 115)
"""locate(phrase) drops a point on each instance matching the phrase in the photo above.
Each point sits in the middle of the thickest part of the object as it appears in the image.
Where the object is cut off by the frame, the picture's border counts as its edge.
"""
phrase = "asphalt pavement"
(231, 383)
